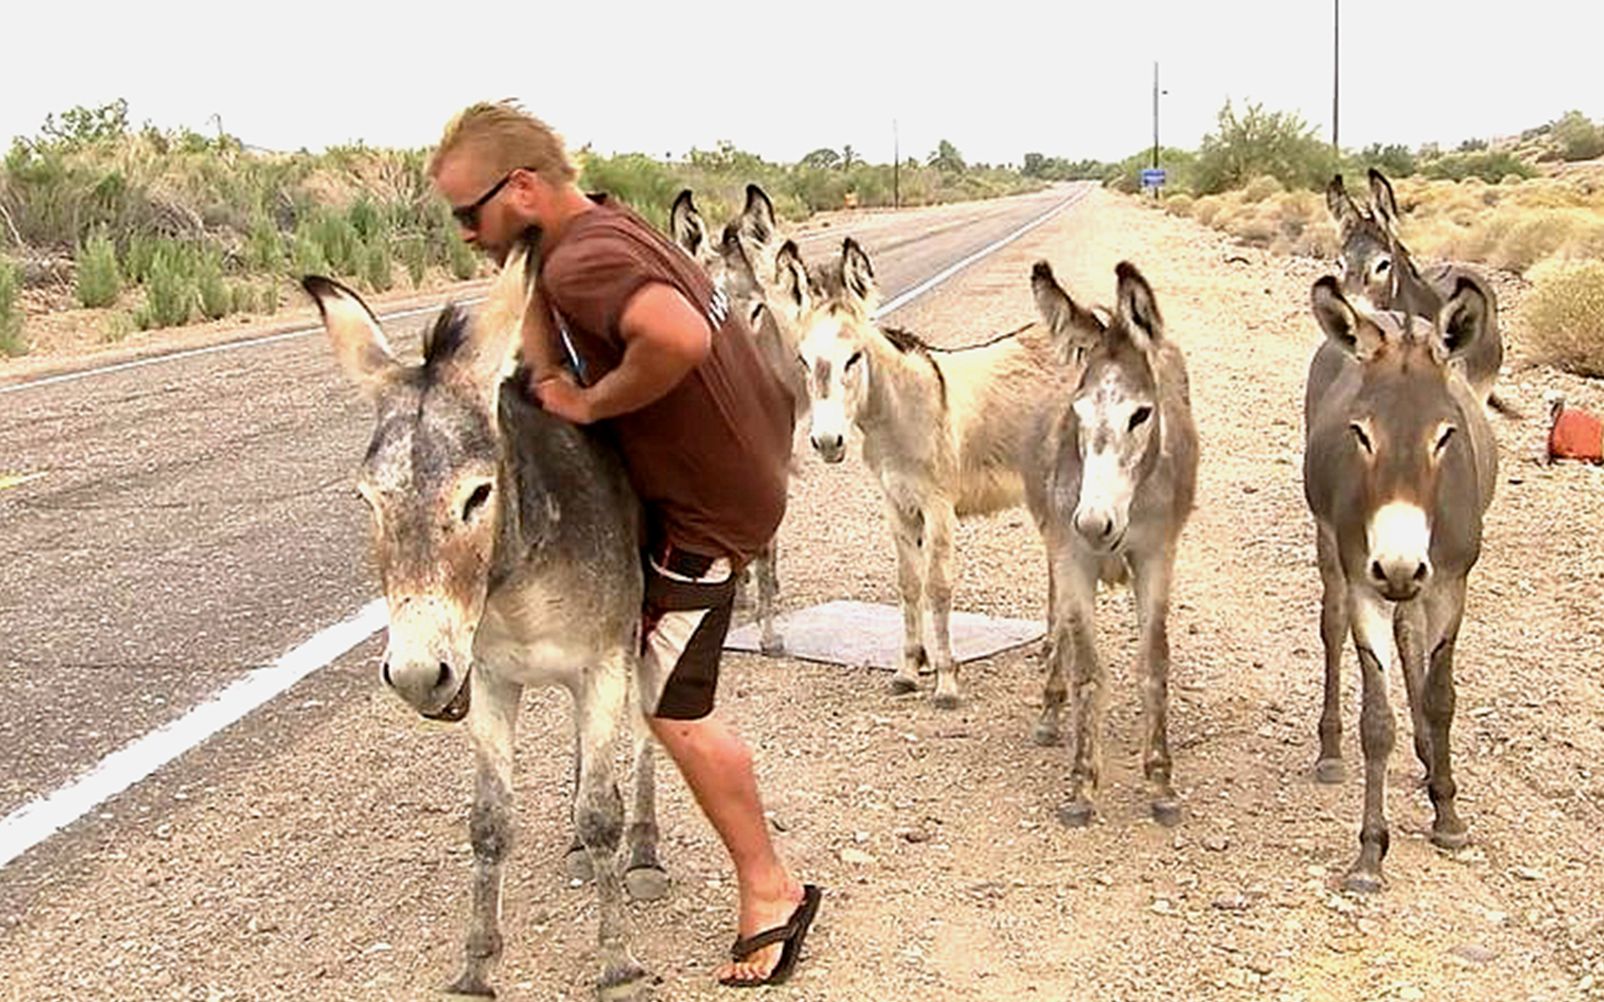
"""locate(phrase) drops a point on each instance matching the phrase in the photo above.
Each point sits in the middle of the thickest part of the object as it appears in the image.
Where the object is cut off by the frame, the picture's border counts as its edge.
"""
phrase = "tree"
(1578, 137)
(822, 158)
(849, 156)
(82, 126)
(947, 159)
(1279, 144)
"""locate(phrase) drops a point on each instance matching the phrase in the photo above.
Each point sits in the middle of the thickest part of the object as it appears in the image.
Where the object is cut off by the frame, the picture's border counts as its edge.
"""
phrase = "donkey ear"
(1072, 327)
(1355, 334)
(1463, 320)
(791, 279)
(1386, 203)
(359, 344)
(685, 224)
(1136, 306)
(1341, 203)
(857, 274)
(491, 350)
(757, 219)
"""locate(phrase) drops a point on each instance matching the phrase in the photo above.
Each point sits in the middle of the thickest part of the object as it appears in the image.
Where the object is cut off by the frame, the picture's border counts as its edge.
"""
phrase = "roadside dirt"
(337, 867)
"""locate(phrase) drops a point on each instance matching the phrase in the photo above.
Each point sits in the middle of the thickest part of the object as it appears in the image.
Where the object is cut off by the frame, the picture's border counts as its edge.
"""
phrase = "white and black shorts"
(689, 600)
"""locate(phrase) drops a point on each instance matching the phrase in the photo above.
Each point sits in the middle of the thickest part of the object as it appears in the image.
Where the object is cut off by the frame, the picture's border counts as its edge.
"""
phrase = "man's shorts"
(689, 601)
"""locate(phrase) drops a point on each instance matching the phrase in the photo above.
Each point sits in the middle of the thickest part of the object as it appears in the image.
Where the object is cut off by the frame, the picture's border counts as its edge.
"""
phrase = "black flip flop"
(792, 933)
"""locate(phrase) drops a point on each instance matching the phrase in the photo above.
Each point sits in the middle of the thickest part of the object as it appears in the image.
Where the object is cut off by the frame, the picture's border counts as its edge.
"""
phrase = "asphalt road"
(193, 519)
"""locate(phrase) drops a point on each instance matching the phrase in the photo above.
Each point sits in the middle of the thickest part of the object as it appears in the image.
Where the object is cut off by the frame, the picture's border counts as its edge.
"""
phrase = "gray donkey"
(506, 540)
(1114, 479)
(741, 263)
(1377, 267)
(1399, 466)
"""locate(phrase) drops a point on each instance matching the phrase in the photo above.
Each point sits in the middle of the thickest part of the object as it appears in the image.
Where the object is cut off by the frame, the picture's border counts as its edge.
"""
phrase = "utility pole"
(1336, 68)
(896, 168)
(1155, 114)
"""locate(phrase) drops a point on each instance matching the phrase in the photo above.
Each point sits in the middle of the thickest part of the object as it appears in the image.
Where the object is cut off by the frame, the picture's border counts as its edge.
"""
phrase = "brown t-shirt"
(709, 459)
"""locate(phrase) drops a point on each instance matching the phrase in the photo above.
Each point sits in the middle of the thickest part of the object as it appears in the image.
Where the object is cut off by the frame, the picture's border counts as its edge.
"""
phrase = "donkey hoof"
(646, 883)
(946, 700)
(1167, 812)
(1450, 838)
(1076, 814)
(469, 986)
(772, 646)
(1360, 882)
(578, 866)
(622, 984)
(1330, 771)
(1046, 735)
(902, 684)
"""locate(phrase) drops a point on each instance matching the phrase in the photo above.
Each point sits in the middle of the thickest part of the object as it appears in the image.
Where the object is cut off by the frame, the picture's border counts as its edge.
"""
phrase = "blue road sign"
(1153, 177)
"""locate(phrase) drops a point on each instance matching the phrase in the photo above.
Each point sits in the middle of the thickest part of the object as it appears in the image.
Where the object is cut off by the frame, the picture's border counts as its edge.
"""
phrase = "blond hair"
(504, 137)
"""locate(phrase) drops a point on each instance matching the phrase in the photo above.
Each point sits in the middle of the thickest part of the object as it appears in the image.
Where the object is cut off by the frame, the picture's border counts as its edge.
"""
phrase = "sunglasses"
(467, 216)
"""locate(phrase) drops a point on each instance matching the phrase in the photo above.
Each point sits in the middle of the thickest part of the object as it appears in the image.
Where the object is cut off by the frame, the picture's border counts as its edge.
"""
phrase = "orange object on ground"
(1576, 435)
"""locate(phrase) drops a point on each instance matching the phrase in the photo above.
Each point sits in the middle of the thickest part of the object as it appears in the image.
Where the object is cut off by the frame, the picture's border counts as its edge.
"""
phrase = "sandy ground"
(328, 858)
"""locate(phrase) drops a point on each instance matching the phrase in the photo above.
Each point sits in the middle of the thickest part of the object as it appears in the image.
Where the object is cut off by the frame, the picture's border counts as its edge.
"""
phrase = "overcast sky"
(997, 78)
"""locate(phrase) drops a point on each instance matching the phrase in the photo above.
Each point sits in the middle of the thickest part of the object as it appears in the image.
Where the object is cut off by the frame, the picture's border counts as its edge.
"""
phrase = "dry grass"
(1511, 226)
(1565, 315)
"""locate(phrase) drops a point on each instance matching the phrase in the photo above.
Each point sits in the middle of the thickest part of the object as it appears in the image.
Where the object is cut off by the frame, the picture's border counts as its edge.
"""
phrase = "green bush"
(118, 325)
(414, 254)
(169, 293)
(11, 342)
(1578, 137)
(98, 280)
(1274, 144)
(1489, 166)
(216, 298)
(464, 263)
(377, 265)
(264, 247)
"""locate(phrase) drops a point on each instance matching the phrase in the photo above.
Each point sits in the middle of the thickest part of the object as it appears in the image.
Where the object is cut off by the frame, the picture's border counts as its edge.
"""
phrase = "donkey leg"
(1409, 631)
(1372, 635)
(938, 589)
(1054, 690)
(1152, 585)
(768, 587)
(908, 528)
(576, 861)
(1077, 590)
(492, 718)
(1334, 621)
(599, 703)
(1444, 613)
(644, 877)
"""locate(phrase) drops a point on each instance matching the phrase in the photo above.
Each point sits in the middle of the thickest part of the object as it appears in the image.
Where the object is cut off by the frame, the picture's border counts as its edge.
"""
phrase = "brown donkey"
(1399, 466)
(1377, 267)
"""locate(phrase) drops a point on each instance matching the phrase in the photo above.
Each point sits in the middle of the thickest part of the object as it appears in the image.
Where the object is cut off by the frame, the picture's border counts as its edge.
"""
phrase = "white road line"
(910, 295)
(41, 818)
(138, 363)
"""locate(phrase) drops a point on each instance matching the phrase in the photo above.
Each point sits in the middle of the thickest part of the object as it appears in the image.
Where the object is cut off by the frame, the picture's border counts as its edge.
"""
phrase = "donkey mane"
(441, 341)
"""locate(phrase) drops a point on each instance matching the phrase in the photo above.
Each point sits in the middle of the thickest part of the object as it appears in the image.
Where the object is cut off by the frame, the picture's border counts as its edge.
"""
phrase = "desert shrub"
(1178, 204)
(1577, 137)
(1205, 209)
(216, 297)
(1565, 315)
(118, 325)
(377, 265)
(1256, 142)
(169, 294)
(413, 251)
(462, 261)
(99, 281)
(11, 342)
(1260, 188)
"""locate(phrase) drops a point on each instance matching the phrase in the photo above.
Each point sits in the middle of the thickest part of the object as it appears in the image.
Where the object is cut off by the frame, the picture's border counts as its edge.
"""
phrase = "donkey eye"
(854, 359)
(1382, 265)
(1364, 440)
(1443, 437)
(475, 501)
(1140, 416)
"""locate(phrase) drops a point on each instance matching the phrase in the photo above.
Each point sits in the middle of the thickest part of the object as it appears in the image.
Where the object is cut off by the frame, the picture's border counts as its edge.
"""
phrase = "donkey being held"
(1399, 466)
(506, 541)
(1114, 478)
(1376, 267)
(741, 263)
(945, 432)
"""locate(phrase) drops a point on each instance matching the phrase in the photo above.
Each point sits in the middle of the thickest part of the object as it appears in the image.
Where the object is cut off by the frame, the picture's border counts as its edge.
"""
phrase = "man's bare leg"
(717, 766)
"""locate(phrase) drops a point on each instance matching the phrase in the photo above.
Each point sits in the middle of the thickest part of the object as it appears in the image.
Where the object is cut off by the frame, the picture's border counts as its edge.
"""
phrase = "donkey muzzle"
(832, 448)
(429, 685)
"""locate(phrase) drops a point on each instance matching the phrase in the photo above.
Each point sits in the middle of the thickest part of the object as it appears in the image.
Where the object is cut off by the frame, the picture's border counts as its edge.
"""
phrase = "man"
(704, 430)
